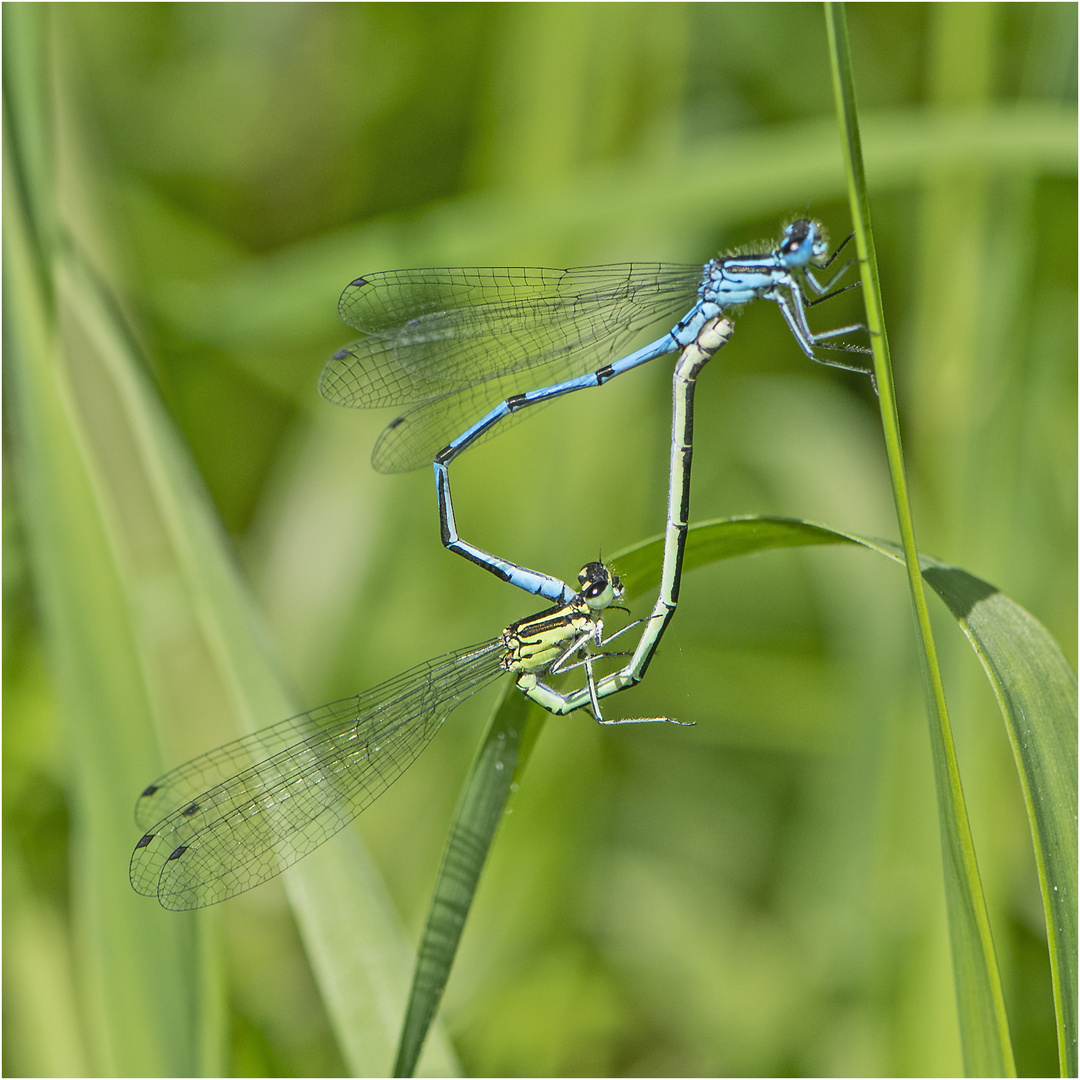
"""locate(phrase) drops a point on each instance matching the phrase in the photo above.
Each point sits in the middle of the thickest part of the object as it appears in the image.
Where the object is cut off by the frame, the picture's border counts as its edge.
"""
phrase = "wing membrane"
(433, 331)
(242, 813)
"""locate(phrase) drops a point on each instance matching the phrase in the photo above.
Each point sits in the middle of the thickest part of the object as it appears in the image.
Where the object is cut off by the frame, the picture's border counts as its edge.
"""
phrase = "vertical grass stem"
(984, 1032)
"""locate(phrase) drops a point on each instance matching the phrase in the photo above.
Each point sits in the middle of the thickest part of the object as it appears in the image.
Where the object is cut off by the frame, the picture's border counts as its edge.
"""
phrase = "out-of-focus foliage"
(757, 894)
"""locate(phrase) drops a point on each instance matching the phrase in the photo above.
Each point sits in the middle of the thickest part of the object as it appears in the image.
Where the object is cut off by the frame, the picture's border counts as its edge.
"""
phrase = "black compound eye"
(797, 232)
(593, 573)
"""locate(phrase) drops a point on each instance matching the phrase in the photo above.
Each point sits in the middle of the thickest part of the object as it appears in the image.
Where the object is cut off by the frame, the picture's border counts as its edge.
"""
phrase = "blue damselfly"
(454, 344)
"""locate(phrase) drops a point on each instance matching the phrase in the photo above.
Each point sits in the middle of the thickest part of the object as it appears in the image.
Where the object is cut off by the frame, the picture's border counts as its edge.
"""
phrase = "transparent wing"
(453, 343)
(415, 437)
(432, 334)
(239, 815)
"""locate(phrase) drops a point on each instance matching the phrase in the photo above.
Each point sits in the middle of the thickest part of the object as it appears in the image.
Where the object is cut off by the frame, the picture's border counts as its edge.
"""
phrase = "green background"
(759, 894)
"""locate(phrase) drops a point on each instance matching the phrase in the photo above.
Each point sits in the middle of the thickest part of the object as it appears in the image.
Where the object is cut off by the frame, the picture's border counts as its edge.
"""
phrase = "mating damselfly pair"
(450, 344)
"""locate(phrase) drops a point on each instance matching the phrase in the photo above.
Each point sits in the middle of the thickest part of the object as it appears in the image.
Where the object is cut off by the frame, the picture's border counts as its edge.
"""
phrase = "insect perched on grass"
(457, 344)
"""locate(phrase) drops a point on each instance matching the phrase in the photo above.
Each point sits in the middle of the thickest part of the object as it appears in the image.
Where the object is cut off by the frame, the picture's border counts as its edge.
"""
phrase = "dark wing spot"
(192, 810)
(357, 283)
(151, 790)
(145, 840)
(177, 853)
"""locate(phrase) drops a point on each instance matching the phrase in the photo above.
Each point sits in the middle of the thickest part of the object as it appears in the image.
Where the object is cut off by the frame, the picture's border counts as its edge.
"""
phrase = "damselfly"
(454, 344)
(239, 815)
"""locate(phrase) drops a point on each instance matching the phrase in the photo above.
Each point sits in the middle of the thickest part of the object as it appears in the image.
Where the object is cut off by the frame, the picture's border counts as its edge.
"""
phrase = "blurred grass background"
(759, 894)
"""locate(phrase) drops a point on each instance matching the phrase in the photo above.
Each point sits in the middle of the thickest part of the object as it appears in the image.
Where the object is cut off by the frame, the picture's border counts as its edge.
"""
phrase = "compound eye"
(593, 574)
(797, 234)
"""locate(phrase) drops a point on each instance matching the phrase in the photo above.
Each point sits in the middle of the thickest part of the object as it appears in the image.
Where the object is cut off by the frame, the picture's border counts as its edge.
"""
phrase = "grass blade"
(153, 995)
(1034, 685)
(503, 754)
(1035, 688)
(984, 1028)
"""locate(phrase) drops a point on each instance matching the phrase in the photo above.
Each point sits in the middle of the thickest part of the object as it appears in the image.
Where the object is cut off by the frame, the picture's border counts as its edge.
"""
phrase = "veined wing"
(240, 814)
(415, 437)
(179, 786)
(433, 332)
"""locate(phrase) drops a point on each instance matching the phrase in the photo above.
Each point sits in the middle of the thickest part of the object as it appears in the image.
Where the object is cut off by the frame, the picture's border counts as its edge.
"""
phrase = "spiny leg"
(792, 307)
(822, 289)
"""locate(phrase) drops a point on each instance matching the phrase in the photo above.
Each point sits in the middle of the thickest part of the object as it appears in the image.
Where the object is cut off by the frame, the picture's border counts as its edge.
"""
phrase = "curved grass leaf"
(1034, 685)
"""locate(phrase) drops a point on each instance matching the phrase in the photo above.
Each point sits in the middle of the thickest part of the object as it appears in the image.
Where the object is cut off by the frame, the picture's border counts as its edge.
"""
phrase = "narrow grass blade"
(505, 750)
(984, 1026)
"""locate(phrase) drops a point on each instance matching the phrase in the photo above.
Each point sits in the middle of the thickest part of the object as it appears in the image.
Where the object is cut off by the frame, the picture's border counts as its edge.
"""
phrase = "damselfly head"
(600, 588)
(804, 241)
